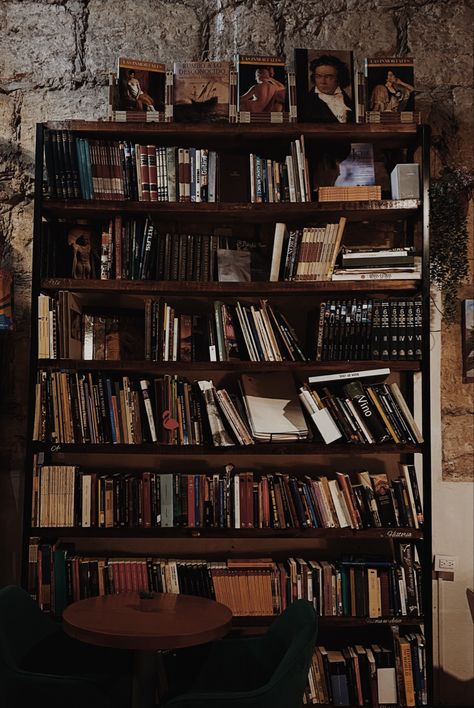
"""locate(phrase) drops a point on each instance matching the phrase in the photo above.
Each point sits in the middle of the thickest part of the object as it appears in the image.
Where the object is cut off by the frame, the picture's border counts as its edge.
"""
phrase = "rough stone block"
(440, 38)
(38, 43)
(148, 30)
(244, 28)
(86, 103)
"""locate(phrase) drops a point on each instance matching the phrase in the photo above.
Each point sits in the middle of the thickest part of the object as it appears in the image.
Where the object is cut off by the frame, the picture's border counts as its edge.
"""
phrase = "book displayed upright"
(201, 91)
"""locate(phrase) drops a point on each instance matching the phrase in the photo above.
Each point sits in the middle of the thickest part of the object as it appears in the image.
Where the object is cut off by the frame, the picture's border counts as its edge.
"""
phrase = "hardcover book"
(390, 84)
(324, 86)
(201, 91)
(262, 85)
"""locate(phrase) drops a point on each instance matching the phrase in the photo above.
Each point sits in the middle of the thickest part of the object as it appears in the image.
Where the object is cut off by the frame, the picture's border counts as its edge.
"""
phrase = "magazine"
(324, 86)
(201, 91)
(141, 86)
(262, 84)
(390, 84)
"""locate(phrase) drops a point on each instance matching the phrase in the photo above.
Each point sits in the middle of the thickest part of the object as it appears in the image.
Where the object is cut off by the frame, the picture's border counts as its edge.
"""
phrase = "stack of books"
(349, 194)
(378, 264)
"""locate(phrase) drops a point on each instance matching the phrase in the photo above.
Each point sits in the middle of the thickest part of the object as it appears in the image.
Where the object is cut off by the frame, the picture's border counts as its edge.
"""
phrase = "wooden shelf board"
(290, 131)
(296, 449)
(249, 621)
(385, 209)
(234, 366)
(183, 288)
(206, 533)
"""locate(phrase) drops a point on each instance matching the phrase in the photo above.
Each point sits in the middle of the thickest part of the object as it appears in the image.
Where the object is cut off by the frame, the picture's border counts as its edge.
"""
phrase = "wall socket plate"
(443, 564)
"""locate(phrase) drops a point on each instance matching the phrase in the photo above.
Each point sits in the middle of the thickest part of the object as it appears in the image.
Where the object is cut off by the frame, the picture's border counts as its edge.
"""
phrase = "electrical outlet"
(445, 563)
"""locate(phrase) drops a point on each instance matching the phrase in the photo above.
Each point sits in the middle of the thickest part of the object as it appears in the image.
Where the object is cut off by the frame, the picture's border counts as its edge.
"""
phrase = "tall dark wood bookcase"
(301, 457)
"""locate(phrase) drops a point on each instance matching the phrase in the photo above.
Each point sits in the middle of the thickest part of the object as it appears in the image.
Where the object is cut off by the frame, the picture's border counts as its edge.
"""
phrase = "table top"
(167, 621)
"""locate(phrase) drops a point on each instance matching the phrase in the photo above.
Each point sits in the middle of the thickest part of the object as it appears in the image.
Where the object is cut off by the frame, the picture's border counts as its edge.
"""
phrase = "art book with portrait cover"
(324, 86)
(201, 91)
(390, 84)
(262, 86)
(141, 87)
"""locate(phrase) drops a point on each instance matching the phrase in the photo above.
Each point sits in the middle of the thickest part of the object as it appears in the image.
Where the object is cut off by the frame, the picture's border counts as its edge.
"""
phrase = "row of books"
(246, 332)
(355, 329)
(84, 168)
(255, 89)
(272, 181)
(248, 586)
(68, 496)
(307, 254)
(374, 675)
(100, 407)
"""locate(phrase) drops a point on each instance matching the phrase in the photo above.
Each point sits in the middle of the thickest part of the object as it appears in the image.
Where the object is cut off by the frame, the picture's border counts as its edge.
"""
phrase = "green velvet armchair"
(269, 671)
(41, 665)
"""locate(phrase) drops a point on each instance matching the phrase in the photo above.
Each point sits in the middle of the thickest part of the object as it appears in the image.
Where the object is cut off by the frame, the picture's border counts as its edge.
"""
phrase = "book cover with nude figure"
(262, 84)
(141, 86)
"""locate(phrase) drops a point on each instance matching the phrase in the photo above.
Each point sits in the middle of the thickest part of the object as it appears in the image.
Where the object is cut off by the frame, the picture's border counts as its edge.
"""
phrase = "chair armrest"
(27, 688)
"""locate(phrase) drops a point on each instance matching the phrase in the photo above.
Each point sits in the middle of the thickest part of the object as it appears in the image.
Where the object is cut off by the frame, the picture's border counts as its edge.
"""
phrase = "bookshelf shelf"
(209, 533)
(384, 210)
(183, 288)
(158, 367)
(395, 135)
(293, 449)
(332, 622)
(271, 479)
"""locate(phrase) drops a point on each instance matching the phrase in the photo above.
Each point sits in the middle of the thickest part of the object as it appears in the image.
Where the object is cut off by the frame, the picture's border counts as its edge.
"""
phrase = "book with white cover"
(344, 375)
(273, 408)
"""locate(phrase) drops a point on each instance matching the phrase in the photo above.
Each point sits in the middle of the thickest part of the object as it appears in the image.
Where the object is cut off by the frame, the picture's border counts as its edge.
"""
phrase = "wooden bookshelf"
(409, 217)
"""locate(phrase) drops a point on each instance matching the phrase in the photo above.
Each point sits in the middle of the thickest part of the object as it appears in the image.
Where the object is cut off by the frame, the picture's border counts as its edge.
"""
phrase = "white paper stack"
(273, 408)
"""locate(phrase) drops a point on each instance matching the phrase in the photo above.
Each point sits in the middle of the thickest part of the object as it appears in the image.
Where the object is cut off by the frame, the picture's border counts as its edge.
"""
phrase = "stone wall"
(54, 59)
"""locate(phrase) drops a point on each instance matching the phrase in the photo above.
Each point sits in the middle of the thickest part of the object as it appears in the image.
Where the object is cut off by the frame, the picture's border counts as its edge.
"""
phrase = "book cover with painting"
(201, 91)
(390, 84)
(141, 86)
(324, 86)
(262, 84)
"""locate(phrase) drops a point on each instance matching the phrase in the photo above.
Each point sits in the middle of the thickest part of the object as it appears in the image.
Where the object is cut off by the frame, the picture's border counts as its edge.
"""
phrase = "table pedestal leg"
(145, 677)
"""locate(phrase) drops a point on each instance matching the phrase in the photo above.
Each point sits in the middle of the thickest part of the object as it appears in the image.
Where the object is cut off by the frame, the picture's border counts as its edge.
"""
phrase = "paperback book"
(201, 91)
(390, 84)
(262, 88)
(140, 91)
(324, 86)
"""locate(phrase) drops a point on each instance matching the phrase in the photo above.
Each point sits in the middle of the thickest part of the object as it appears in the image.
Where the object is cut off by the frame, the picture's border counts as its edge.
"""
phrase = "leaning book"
(201, 91)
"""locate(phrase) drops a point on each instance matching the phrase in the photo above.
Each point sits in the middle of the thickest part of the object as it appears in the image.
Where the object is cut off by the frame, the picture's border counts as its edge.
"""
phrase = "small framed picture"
(467, 328)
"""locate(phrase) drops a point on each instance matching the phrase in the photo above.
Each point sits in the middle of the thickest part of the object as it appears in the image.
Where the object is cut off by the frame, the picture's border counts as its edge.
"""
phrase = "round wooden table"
(166, 621)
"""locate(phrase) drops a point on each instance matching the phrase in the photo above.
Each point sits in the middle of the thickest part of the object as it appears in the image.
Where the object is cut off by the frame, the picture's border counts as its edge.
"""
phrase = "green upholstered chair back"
(22, 625)
(269, 671)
